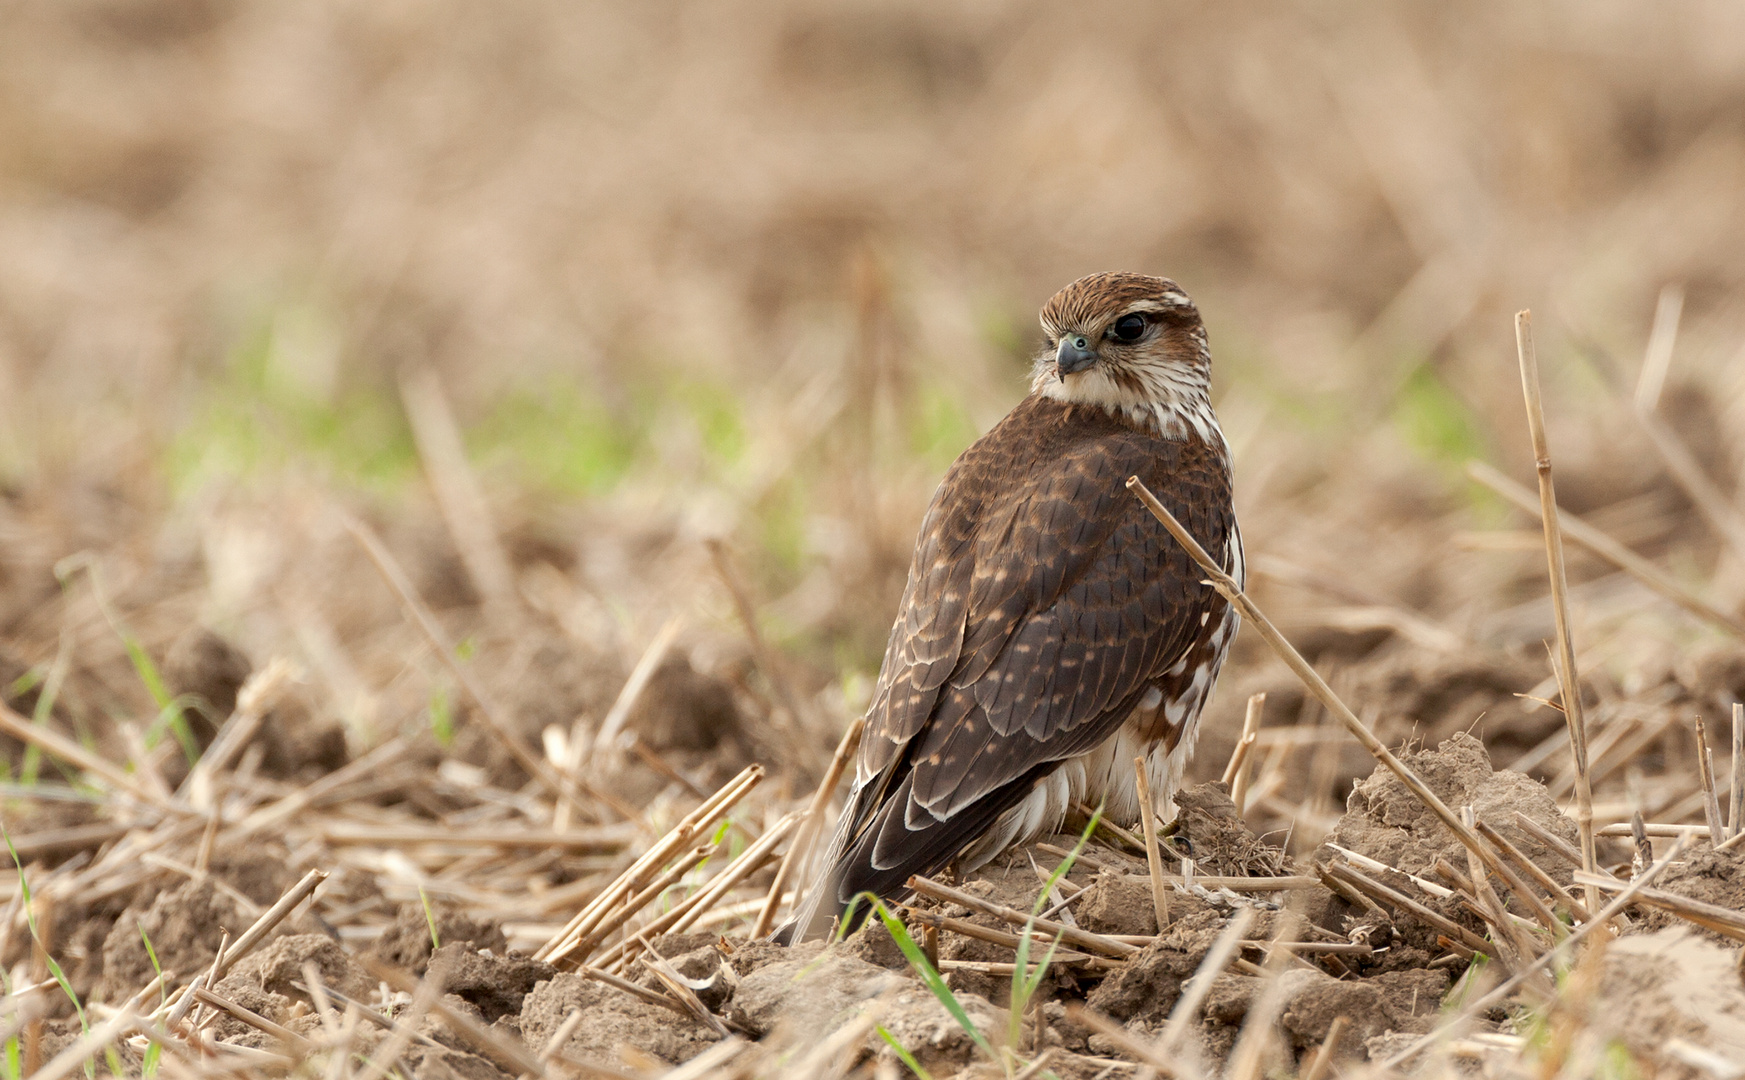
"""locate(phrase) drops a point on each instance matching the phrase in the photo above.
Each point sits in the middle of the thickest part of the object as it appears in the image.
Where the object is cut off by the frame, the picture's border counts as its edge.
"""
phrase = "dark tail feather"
(861, 859)
(816, 916)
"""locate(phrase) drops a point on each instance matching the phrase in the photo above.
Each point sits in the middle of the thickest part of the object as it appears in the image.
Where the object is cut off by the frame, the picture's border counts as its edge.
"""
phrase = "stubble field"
(458, 467)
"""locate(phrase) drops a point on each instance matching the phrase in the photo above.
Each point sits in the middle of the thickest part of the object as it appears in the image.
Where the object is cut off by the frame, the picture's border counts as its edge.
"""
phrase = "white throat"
(1172, 400)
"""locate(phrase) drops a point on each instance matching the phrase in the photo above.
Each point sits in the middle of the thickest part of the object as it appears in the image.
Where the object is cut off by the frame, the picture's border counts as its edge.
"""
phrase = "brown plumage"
(1051, 630)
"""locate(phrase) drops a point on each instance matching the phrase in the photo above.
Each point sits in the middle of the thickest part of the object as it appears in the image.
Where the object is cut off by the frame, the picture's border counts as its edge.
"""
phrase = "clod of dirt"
(552, 682)
(749, 956)
(612, 1018)
(1397, 1001)
(1009, 883)
(1229, 998)
(295, 737)
(210, 670)
(1386, 822)
(813, 993)
(1146, 987)
(496, 985)
(1217, 838)
(683, 709)
(1716, 677)
(246, 991)
(185, 926)
(1117, 903)
(406, 943)
(1670, 985)
(277, 966)
(419, 1060)
(874, 944)
(260, 875)
(1710, 876)
(938, 1042)
(1406, 945)
(709, 975)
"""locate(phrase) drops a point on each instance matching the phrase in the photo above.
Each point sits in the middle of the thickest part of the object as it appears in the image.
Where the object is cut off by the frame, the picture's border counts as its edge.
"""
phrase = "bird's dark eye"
(1128, 328)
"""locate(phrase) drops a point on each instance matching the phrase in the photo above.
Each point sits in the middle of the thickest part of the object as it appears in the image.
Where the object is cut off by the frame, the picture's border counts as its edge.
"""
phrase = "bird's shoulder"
(1047, 449)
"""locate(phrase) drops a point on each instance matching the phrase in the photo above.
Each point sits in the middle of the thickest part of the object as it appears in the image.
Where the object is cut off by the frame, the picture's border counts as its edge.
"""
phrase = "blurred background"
(757, 272)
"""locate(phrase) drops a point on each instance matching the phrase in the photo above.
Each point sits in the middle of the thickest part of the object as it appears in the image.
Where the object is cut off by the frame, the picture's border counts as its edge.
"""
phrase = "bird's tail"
(816, 916)
(876, 850)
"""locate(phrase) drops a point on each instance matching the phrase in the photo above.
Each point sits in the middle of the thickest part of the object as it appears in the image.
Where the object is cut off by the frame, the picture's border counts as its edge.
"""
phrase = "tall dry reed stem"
(1153, 857)
(1736, 790)
(1566, 669)
(1317, 686)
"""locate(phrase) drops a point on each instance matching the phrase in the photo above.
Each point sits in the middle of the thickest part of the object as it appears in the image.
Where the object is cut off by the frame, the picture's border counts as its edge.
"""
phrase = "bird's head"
(1128, 342)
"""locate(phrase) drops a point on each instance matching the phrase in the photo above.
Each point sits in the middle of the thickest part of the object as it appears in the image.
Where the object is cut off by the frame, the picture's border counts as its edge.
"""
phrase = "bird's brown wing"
(1042, 601)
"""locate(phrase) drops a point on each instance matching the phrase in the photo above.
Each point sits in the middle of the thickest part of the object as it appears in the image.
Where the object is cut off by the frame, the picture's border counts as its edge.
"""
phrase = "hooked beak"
(1075, 354)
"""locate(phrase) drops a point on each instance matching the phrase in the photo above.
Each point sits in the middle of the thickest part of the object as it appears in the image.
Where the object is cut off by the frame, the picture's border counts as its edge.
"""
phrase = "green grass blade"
(45, 704)
(174, 718)
(1025, 982)
(147, 671)
(1066, 864)
(902, 1053)
(929, 975)
(54, 967)
(152, 954)
(441, 717)
(429, 920)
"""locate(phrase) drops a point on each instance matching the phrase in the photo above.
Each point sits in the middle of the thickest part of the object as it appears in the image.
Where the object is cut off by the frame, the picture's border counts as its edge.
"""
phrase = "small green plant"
(1463, 989)
(172, 710)
(282, 402)
(1617, 1063)
(152, 955)
(153, 1051)
(1025, 982)
(554, 436)
(929, 974)
(902, 1053)
(1432, 417)
(54, 967)
(940, 426)
(47, 683)
(11, 1058)
(442, 716)
(429, 920)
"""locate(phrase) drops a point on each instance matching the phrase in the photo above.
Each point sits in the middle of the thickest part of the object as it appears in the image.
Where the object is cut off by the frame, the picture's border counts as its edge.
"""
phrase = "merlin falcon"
(1051, 631)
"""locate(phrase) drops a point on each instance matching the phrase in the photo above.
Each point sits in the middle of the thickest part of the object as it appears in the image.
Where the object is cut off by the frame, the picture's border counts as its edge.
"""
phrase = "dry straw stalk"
(1317, 686)
(1566, 669)
(1736, 791)
(1072, 935)
(1153, 857)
